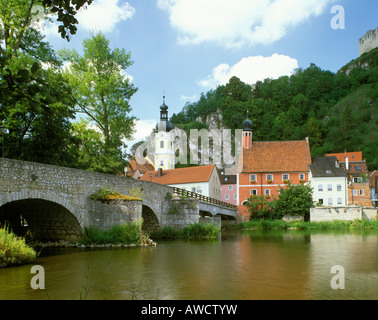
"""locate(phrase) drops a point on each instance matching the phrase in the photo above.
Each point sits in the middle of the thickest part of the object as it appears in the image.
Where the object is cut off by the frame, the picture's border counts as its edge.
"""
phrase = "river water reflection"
(244, 265)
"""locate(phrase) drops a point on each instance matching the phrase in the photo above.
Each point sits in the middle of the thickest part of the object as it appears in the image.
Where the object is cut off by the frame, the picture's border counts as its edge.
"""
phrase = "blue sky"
(185, 47)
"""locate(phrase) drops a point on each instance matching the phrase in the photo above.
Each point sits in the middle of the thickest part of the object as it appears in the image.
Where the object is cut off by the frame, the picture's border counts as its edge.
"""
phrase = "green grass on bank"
(283, 225)
(13, 250)
(128, 233)
(194, 231)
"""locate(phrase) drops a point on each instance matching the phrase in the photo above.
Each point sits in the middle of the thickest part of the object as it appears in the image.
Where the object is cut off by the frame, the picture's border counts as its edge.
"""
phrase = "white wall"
(212, 188)
(335, 195)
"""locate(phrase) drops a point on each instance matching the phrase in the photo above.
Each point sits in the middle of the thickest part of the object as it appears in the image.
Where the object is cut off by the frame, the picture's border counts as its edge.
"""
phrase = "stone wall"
(368, 42)
(105, 214)
(181, 213)
(370, 213)
(335, 213)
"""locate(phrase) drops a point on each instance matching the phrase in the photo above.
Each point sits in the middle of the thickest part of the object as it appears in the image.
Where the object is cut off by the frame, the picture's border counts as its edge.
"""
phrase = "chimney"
(160, 172)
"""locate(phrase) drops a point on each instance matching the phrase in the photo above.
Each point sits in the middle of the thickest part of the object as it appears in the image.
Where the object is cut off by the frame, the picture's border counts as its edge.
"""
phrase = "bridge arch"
(44, 220)
(150, 219)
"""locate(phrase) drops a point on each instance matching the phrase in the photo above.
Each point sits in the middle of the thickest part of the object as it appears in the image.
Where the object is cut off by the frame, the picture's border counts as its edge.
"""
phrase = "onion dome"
(247, 125)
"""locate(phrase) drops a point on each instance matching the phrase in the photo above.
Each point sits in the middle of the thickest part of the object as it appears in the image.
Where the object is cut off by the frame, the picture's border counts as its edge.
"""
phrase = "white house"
(329, 182)
(202, 179)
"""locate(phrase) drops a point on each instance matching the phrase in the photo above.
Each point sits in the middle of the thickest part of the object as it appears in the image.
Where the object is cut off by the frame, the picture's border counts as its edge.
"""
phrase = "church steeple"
(164, 123)
(164, 145)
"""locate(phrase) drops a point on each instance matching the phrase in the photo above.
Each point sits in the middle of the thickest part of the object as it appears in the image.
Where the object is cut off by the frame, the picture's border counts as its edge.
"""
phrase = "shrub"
(118, 234)
(13, 250)
(194, 231)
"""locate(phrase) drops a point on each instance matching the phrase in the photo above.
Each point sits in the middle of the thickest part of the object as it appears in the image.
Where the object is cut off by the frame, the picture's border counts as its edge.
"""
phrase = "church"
(203, 180)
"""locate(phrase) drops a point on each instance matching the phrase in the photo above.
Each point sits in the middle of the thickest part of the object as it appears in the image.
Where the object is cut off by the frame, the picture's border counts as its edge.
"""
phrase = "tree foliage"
(294, 200)
(102, 92)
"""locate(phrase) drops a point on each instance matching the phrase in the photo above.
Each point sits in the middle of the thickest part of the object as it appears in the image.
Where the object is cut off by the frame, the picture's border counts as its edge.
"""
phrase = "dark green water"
(248, 265)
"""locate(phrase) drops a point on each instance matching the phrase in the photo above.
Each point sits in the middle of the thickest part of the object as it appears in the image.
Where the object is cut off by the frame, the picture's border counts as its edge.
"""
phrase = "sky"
(182, 48)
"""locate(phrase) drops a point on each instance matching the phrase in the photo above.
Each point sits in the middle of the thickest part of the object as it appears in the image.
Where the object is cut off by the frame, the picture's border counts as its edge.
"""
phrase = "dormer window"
(328, 172)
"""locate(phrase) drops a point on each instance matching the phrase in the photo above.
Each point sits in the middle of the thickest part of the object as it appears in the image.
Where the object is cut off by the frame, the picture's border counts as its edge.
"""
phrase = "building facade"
(264, 167)
(229, 189)
(368, 42)
(202, 179)
(329, 182)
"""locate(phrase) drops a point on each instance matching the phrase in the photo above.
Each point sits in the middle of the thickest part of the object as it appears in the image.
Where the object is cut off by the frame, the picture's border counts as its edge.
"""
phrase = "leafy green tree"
(259, 207)
(89, 150)
(102, 91)
(294, 200)
(35, 101)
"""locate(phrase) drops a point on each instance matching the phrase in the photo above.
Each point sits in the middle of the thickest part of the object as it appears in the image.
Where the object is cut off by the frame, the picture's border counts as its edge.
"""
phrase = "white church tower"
(164, 145)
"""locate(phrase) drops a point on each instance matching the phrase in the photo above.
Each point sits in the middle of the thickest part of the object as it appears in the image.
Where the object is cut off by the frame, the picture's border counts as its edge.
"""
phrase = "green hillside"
(337, 111)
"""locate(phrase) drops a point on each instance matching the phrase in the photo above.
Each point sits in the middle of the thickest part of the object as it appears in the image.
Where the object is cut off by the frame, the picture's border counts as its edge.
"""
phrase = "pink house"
(229, 190)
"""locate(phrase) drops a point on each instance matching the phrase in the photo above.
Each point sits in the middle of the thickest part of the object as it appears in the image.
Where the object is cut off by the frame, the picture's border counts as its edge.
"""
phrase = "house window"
(252, 177)
(267, 192)
(225, 179)
(357, 180)
(285, 177)
(227, 197)
(301, 176)
(329, 187)
(253, 192)
(330, 201)
(269, 178)
(193, 189)
(339, 201)
(235, 196)
(230, 188)
(354, 192)
(339, 187)
(199, 190)
(361, 192)
(162, 163)
(320, 187)
(161, 144)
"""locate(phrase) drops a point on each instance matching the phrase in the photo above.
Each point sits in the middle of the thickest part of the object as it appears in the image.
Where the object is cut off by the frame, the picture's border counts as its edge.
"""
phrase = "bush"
(118, 234)
(294, 200)
(194, 231)
(13, 250)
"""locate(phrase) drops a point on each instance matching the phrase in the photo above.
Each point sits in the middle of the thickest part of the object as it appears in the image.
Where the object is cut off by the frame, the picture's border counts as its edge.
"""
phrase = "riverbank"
(194, 231)
(13, 250)
(301, 225)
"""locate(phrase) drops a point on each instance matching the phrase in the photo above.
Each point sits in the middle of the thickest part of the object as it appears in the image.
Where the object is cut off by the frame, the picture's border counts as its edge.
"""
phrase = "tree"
(35, 103)
(294, 200)
(102, 90)
(259, 207)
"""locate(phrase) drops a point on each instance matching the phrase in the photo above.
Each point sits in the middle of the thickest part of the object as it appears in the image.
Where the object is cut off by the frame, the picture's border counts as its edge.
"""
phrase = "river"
(240, 265)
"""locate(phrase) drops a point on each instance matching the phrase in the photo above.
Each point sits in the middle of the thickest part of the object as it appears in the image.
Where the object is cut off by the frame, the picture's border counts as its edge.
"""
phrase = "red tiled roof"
(277, 156)
(142, 168)
(182, 175)
(352, 156)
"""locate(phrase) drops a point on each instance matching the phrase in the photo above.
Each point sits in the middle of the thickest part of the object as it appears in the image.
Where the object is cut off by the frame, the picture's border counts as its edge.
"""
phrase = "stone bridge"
(56, 205)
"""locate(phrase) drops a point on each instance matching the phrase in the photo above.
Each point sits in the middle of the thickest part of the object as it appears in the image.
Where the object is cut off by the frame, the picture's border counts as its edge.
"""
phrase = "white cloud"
(251, 69)
(238, 22)
(143, 129)
(103, 15)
